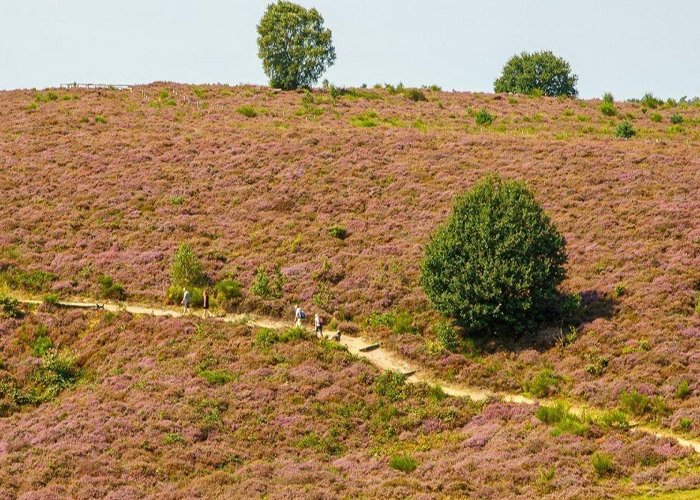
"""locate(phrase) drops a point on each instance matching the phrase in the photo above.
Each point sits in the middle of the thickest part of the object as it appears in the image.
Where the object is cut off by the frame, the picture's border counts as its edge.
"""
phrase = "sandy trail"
(378, 356)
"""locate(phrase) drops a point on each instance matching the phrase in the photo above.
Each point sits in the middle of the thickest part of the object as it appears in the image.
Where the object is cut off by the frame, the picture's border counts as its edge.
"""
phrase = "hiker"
(299, 314)
(205, 303)
(186, 299)
(318, 323)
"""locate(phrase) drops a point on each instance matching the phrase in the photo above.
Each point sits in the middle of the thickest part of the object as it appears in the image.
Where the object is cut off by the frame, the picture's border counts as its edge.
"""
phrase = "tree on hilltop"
(537, 72)
(497, 261)
(294, 46)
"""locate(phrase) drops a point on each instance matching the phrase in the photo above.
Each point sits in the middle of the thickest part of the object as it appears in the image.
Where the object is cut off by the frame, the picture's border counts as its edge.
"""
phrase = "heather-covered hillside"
(185, 408)
(110, 182)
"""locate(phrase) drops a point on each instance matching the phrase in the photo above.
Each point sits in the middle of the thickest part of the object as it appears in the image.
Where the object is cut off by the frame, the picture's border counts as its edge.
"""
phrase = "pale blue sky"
(627, 47)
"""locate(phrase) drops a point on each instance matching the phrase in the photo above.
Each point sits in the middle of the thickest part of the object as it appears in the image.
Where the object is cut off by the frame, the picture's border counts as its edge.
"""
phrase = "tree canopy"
(293, 45)
(496, 263)
(537, 72)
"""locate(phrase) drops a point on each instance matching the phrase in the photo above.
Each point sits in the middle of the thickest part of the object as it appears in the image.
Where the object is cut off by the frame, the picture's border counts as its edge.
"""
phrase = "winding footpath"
(378, 356)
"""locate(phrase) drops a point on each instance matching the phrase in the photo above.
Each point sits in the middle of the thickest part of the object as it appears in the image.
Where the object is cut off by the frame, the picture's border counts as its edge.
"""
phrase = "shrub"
(602, 463)
(111, 290)
(683, 390)
(562, 420)
(685, 424)
(228, 291)
(293, 45)
(216, 377)
(543, 384)
(56, 373)
(398, 322)
(338, 232)
(483, 117)
(613, 419)
(247, 111)
(391, 385)
(497, 261)
(100, 119)
(173, 438)
(366, 119)
(10, 308)
(31, 281)
(403, 463)
(650, 101)
(676, 119)
(608, 97)
(267, 337)
(625, 130)
(608, 109)
(42, 343)
(175, 293)
(656, 117)
(51, 299)
(641, 405)
(186, 270)
(415, 95)
(266, 286)
(447, 336)
(543, 483)
(537, 72)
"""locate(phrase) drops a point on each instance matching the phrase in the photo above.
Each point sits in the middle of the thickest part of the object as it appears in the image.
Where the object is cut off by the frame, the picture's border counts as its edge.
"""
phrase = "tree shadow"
(561, 329)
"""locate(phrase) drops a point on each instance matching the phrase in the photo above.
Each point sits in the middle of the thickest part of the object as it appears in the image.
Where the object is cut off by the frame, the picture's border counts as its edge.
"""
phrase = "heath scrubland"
(329, 197)
(184, 408)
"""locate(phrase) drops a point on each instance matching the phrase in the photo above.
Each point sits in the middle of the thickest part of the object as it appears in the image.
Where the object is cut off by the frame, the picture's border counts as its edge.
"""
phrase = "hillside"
(110, 182)
(188, 408)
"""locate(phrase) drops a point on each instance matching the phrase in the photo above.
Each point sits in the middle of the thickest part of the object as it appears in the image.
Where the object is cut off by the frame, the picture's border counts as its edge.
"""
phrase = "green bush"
(656, 117)
(31, 281)
(602, 463)
(608, 97)
(641, 405)
(266, 286)
(496, 263)
(447, 336)
(685, 424)
(650, 101)
(676, 119)
(403, 463)
(111, 290)
(398, 322)
(366, 119)
(186, 270)
(608, 108)
(216, 377)
(683, 390)
(544, 383)
(52, 299)
(537, 73)
(42, 343)
(415, 95)
(293, 45)
(625, 130)
(267, 337)
(247, 111)
(56, 373)
(338, 232)
(10, 308)
(173, 438)
(175, 293)
(228, 292)
(562, 420)
(613, 419)
(391, 385)
(483, 117)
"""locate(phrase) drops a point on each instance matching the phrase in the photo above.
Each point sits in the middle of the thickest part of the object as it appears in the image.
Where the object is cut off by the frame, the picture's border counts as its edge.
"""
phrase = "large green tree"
(543, 72)
(294, 46)
(496, 263)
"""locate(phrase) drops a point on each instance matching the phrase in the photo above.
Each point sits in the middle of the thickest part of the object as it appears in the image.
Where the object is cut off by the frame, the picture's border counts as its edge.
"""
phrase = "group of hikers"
(299, 314)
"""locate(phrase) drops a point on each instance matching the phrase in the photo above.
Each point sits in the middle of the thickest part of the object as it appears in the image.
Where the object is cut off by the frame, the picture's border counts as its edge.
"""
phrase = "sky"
(627, 47)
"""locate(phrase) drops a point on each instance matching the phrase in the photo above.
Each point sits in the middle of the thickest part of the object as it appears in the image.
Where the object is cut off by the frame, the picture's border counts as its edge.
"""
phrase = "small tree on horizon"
(537, 72)
(294, 46)
(497, 261)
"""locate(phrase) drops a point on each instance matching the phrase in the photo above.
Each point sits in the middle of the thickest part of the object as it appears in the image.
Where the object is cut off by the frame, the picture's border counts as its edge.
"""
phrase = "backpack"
(302, 315)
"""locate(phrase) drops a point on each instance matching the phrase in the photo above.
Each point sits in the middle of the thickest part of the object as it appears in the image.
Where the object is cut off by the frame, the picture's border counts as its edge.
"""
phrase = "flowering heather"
(298, 418)
(84, 197)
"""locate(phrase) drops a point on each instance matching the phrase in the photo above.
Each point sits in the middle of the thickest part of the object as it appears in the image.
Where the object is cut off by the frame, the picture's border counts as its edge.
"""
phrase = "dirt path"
(378, 356)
